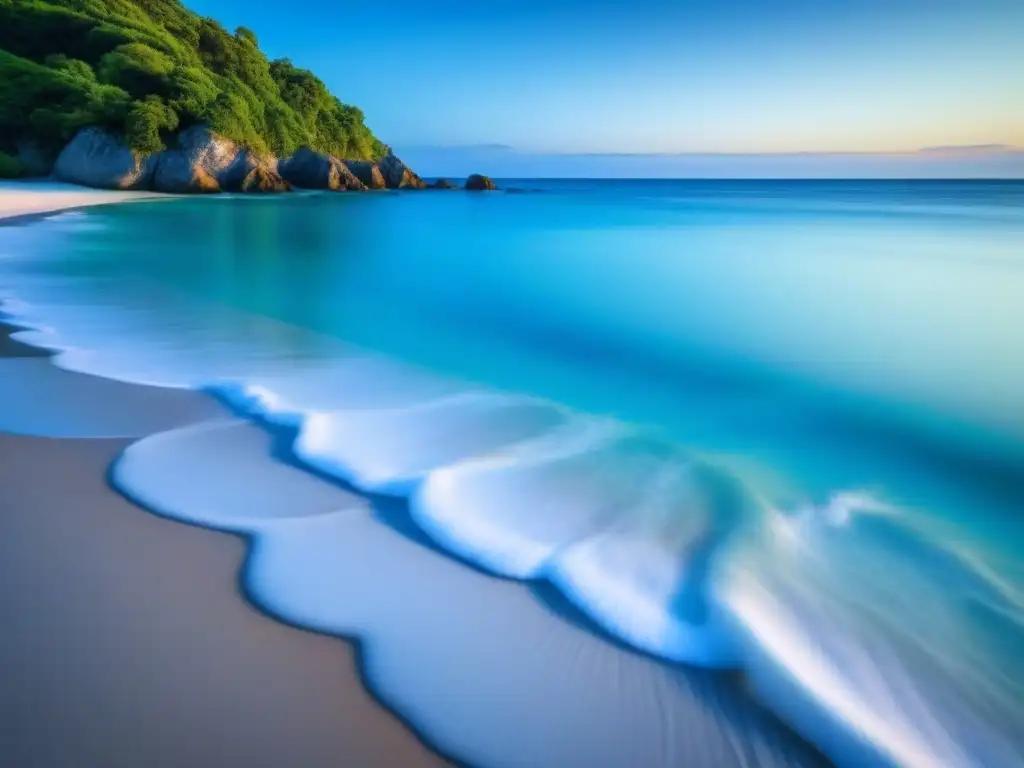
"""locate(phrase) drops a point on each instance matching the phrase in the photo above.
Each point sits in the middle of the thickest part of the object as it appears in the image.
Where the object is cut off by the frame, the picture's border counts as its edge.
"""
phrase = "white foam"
(644, 577)
(511, 512)
(905, 645)
(488, 672)
(390, 450)
(350, 380)
(227, 479)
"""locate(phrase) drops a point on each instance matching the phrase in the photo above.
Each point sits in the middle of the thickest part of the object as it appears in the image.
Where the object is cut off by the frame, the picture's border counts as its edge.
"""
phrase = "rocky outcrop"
(397, 175)
(389, 173)
(368, 173)
(313, 170)
(198, 163)
(231, 178)
(443, 184)
(250, 172)
(478, 183)
(95, 158)
(263, 179)
(203, 162)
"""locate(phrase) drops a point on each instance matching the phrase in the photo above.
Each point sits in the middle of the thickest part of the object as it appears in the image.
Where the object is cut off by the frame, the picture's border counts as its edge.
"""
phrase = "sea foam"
(871, 638)
(488, 670)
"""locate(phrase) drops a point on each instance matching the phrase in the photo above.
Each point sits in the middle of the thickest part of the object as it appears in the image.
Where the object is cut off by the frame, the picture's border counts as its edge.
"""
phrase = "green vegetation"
(146, 68)
(10, 168)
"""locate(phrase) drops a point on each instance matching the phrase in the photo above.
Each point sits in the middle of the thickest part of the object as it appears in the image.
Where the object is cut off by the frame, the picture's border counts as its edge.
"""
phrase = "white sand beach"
(33, 197)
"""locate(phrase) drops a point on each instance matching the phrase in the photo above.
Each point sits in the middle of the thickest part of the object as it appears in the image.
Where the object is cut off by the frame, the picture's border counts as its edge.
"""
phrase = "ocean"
(772, 426)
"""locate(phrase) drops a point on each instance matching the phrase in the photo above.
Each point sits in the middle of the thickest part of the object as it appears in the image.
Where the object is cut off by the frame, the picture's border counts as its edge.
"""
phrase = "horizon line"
(968, 149)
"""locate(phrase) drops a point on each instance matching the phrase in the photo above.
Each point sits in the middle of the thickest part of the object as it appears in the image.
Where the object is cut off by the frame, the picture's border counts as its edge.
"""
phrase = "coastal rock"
(95, 158)
(443, 184)
(478, 183)
(231, 178)
(252, 173)
(263, 179)
(368, 173)
(198, 163)
(397, 175)
(313, 170)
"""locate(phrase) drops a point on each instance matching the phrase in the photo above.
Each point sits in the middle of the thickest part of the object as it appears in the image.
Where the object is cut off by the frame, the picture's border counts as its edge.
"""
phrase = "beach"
(509, 406)
(126, 640)
(21, 199)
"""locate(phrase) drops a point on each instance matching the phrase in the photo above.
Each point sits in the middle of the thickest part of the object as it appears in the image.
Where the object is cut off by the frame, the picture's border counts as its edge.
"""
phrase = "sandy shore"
(126, 643)
(30, 198)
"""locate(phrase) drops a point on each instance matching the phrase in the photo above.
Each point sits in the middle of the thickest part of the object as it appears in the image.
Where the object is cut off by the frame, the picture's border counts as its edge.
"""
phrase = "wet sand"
(26, 199)
(126, 643)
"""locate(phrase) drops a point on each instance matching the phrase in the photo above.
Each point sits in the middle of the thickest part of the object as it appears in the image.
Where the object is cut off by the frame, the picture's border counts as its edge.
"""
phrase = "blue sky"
(657, 76)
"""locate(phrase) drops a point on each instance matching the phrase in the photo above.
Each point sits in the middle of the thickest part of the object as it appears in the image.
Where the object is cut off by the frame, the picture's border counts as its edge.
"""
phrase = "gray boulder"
(397, 175)
(95, 158)
(197, 164)
(478, 183)
(313, 170)
(368, 173)
(443, 184)
(252, 173)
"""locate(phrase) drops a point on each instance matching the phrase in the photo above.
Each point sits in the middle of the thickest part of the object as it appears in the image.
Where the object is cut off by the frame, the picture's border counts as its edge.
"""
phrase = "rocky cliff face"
(200, 161)
(312, 170)
(95, 158)
(197, 164)
(260, 178)
(368, 173)
(397, 175)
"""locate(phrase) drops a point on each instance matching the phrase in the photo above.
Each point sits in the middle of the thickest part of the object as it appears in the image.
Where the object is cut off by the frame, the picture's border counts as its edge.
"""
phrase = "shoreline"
(223, 596)
(119, 653)
(23, 201)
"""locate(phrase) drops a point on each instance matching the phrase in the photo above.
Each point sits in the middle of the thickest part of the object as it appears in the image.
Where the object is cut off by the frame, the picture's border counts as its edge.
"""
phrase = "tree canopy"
(146, 68)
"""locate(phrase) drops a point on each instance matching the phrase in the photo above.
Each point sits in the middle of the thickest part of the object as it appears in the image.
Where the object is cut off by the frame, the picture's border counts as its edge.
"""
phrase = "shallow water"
(768, 425)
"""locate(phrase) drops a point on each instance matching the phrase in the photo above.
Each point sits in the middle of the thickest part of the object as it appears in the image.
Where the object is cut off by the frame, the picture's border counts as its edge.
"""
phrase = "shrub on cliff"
(145, 68)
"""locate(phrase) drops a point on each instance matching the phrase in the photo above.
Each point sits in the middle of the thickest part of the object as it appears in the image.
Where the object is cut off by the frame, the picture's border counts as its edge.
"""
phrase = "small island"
(152, 96)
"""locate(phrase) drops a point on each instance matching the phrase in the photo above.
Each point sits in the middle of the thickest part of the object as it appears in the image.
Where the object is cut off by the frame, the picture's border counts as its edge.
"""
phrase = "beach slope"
(126, 642)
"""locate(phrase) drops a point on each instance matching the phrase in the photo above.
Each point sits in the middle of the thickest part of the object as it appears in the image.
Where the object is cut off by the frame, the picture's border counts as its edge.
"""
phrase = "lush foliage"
(10, 168)
(145, 68)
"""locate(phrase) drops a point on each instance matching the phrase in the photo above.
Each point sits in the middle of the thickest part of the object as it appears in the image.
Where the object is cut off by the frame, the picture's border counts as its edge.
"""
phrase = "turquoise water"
(769, 425)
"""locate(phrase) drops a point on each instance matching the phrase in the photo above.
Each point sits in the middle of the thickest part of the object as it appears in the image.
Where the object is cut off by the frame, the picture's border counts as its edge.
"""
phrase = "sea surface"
(768, 426)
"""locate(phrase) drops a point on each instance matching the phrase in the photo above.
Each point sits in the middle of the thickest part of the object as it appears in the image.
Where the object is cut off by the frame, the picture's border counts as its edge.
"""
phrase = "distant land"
(502, 161)
(153, 97)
